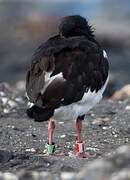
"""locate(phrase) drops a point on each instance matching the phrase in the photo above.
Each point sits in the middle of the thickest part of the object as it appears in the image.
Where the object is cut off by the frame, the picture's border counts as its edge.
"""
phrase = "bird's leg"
(51, 127)
(51, 144)
(80, 145)
(79, 129)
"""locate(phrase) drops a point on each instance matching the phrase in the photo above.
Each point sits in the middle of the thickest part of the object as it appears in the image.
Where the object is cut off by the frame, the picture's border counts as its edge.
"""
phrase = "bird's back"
(62, 70)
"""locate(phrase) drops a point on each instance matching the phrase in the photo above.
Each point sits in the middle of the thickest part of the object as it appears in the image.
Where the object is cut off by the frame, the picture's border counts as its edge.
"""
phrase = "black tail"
(39, 114)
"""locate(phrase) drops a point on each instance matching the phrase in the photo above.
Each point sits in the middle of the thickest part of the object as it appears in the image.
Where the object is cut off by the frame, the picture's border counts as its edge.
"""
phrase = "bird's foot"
(51, 151)
(81, 151)
(81, 155)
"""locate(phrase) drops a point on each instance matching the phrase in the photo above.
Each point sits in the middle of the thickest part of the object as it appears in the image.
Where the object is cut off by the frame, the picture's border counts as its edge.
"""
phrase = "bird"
(66, 78)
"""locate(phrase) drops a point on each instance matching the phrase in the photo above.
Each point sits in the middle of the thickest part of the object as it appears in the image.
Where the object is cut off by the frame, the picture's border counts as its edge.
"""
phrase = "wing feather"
(81, 64)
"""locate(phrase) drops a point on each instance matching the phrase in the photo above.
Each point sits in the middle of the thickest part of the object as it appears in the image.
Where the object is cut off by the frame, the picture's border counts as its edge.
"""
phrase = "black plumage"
(81, 61)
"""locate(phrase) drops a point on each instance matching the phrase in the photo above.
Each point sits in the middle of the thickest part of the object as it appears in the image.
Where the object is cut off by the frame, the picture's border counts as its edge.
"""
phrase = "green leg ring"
(51, 148)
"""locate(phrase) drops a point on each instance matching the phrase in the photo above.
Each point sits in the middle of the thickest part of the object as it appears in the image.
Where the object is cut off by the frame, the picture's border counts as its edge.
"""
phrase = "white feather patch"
(105, 54)
(49, 79)
(30, 104)
(72, 111)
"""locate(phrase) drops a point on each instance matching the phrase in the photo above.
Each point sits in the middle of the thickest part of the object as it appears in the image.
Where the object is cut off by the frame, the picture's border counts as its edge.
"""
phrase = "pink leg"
(51, 127)
(79, 129)
(80, 145)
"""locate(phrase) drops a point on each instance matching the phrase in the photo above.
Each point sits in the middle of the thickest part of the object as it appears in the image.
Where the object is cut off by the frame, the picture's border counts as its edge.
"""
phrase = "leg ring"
(80, 147)
(51, 148)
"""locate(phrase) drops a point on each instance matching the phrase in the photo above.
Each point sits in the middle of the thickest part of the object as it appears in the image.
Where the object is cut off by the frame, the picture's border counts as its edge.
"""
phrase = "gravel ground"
(22, 141)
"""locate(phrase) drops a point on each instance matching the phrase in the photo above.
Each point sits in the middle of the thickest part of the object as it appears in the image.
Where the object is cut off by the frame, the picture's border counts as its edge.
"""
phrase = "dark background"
(24, 24)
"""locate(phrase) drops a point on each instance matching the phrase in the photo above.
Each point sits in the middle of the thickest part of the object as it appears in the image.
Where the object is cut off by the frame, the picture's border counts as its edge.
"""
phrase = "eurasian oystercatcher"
(67, 77)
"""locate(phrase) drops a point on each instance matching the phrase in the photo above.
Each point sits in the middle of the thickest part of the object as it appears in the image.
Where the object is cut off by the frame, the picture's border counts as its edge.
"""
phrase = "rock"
(12, 104)
(127, 108)
(8, 176)
(97, 170)
(28, 175)
(30, 150)
(122, 93)
(45, 175)
(116, 167)
(20, 85)
(5, 156)
(4, 100)
(2, 93)
(68, 176)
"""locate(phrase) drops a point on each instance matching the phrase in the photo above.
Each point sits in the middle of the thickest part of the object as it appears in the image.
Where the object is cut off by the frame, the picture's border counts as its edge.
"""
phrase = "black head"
(75, 26)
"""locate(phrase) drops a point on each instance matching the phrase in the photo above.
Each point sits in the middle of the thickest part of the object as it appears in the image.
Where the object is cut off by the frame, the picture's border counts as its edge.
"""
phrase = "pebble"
(9, 99)
(20, 85)
(5, 155)
(126, 140)
(2, 93)
(127, 108)
(44, 175)
(4, 100)
(9, 176)
(30, 150)
(45, 151)
(105, 128)
(68, 176)
(12, 104)
(113, 132)
(61, 122)
(63, 136)
(92, 115)
(92, 149)
(20, 100)
(6, 110)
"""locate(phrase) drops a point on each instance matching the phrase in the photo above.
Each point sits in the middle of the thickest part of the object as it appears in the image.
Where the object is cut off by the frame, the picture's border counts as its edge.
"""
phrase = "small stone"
(63, 136)
(127, 108)
(101, 119)
(44, 175)
(121, 175)
(61, 122)
(12, 104)
(45, 151)
(113, 132)
(4, 100)
(9, 176)
(68, 176)
(30, 150)
(115, 136)
(92, 115)
(92, 149)
(20, 85)
(122, 94)
(2, 93)
(5, 156)
(30, 175)
(104, 128)
(19, 99)
(126, 140)
(6, 110)
(70, 152)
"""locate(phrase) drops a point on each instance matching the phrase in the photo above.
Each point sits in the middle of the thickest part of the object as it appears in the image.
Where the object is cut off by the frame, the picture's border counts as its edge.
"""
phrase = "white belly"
(72, 111)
